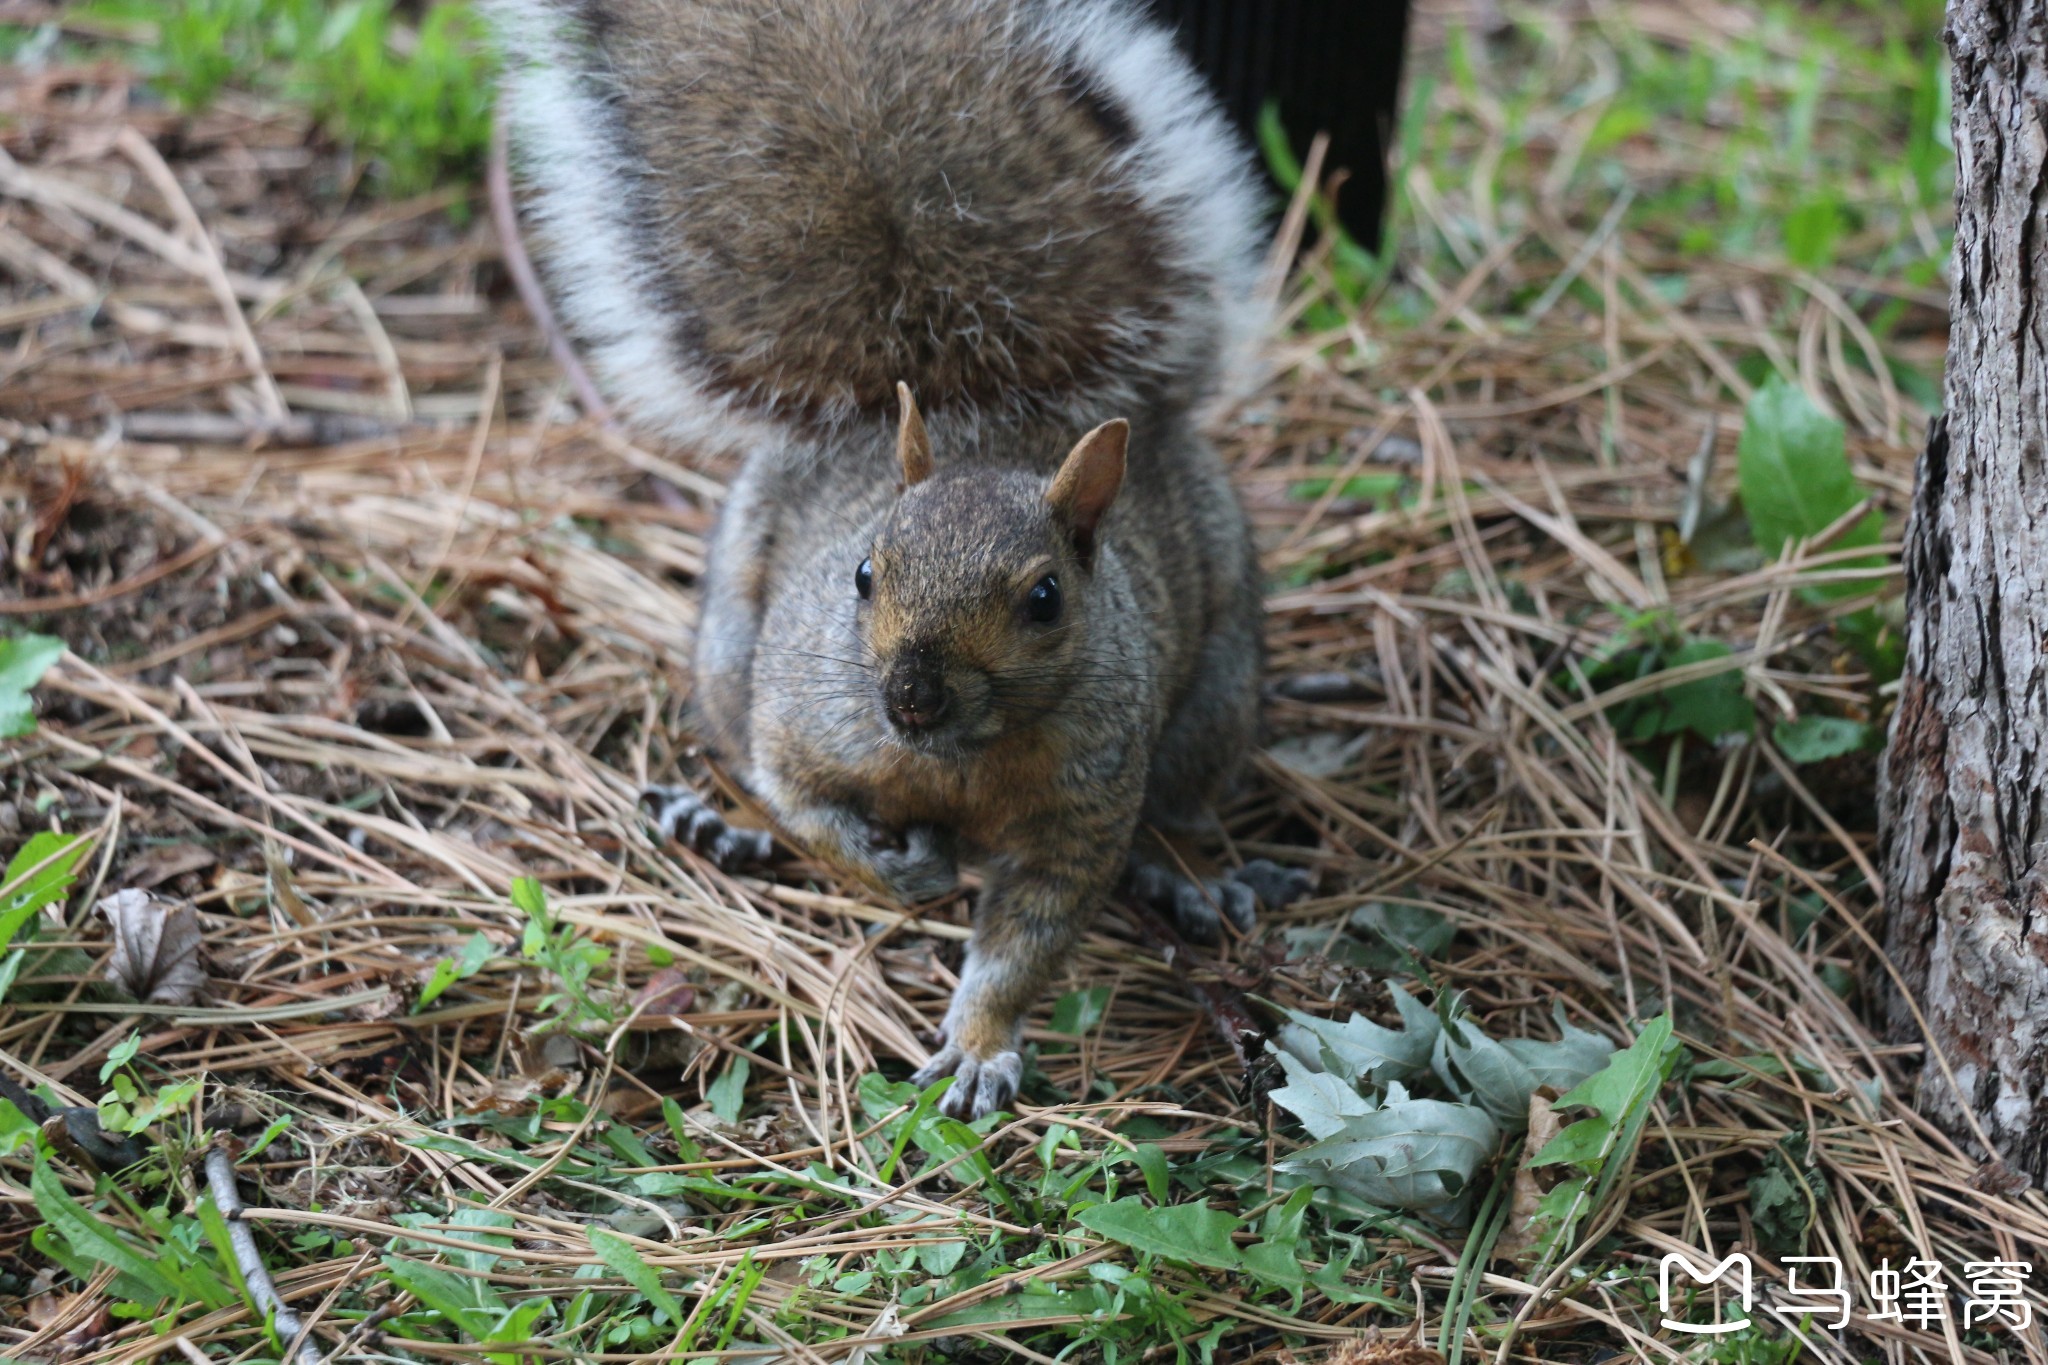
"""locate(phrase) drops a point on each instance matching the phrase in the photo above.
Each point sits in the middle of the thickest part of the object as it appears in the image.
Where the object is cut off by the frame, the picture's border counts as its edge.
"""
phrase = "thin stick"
(220, 1178)
(505, 217)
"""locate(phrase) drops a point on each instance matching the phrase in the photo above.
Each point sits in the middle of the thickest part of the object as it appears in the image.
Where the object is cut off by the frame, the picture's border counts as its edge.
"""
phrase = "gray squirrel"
(958, 279)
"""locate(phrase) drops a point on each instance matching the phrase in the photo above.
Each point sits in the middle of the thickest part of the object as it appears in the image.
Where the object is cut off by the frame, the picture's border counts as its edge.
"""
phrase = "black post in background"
(1332, 65)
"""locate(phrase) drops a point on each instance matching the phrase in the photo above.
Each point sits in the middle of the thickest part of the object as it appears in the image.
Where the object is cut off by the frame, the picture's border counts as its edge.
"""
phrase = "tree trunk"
(1963, 799)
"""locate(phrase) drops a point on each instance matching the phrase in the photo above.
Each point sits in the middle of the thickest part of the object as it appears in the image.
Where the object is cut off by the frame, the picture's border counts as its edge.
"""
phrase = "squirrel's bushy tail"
(758, 216)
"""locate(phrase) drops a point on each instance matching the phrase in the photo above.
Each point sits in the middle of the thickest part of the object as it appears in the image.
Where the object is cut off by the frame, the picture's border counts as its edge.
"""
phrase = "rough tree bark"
(1964, 792)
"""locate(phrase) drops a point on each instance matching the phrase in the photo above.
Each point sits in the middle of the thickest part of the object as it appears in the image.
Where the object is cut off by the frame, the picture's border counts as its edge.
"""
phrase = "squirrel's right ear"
(1088, 481)
(913, 447)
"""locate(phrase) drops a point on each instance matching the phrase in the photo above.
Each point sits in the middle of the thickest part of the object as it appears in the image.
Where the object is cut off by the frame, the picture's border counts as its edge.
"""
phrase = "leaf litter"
(396, 669)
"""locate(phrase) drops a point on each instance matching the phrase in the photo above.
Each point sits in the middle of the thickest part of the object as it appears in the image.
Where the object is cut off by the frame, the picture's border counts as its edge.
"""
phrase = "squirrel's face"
(975, 598)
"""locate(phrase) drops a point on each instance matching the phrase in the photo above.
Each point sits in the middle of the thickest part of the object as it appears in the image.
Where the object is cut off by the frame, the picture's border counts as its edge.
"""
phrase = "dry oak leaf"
(156, 948)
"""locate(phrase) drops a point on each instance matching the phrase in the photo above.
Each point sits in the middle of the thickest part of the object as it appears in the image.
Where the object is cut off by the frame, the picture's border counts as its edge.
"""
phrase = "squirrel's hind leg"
(1195, 760)
(1199, 905)
(1203, 745)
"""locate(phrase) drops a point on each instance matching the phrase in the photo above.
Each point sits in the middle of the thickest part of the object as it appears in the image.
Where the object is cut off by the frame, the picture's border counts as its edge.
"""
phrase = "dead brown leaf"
(44, 1307)
(164, 862)
(1517, 1241)
(284, 890)
(668, 993)
(156, 948)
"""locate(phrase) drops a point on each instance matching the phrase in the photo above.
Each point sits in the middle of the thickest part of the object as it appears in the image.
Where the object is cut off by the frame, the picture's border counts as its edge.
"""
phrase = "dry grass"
(339, 689)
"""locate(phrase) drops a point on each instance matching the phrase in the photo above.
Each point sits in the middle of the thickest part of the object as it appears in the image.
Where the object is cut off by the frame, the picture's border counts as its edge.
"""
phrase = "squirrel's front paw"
(981, 1085)
(680, 814)
(920, 867)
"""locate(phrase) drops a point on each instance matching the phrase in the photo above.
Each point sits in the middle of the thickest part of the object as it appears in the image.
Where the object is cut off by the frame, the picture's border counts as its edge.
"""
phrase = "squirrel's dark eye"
(1042, 603)
(864, 579)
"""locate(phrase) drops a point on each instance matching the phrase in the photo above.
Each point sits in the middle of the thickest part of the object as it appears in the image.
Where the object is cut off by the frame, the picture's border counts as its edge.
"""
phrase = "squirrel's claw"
(680, 814)
(981, 1085)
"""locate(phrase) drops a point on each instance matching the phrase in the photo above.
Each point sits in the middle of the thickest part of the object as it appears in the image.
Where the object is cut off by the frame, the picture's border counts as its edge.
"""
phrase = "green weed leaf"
(941, 1258)
(531, 899)
(38, 876)
(475, 952)
(465, 1300)
(1561, 1065)
(1404, 1153)
(729, 1092)
(1793, 468)
(1078, 1012)
(96, 1240)
(1275, 1263)
(1152, 1164)
(23, 661)
(1596, 1148)
(1710, 707)
(1786, 1196)
(1814, 739)
(1499, 1077)
(618, 1254)
(1194, 1233)
(16, 1128)
(1615, 1092)
(1379, 937)
(1812, 231)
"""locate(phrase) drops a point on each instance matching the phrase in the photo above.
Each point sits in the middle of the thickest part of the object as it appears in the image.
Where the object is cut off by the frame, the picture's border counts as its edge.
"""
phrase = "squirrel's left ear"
(913, 447)
(1088, 482)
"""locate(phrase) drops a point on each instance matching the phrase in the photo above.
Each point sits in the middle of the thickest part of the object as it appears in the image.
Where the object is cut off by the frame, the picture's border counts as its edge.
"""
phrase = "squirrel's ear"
(913, 447)
(1088, 481)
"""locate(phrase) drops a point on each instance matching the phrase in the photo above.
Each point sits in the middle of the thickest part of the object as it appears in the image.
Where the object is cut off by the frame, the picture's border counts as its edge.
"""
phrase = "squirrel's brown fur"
(785, 237)
(1137, 702)
(979, 638)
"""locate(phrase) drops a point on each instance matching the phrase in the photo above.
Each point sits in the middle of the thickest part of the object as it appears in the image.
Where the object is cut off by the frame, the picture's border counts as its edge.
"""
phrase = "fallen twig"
(220, 1178)
(221, 428)
(75, 1129)
(512, 247)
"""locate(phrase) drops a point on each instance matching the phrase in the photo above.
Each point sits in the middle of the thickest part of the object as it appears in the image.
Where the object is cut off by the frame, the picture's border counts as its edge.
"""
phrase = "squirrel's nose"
(916, 699)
